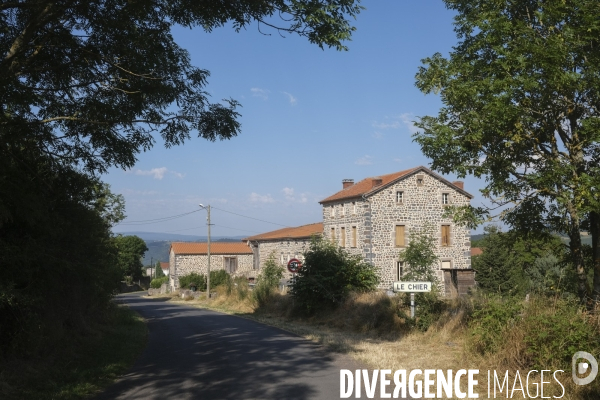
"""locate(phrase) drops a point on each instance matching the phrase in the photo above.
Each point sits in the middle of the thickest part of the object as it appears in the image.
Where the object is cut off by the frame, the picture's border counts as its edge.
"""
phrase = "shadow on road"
(198, 353)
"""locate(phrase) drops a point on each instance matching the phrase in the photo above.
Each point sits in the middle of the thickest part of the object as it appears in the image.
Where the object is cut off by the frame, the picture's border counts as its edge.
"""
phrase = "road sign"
(412, 287)
(294, 265)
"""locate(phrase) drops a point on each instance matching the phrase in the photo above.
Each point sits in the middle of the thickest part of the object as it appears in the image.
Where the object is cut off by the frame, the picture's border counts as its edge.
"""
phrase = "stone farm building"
(376, 216)
(373, 218)
(284, 244)
(185, 258)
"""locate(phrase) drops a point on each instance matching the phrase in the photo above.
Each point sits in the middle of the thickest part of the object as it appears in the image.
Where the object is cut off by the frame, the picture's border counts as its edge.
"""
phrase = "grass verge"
(82, 365)
(369, 328)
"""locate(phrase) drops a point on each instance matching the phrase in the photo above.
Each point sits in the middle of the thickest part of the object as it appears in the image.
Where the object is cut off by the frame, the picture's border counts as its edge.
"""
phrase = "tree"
(521, 94)
(270, 275)
(88, 83)
(419, 256)
(329, 274)
(131, 250)
(158, 272)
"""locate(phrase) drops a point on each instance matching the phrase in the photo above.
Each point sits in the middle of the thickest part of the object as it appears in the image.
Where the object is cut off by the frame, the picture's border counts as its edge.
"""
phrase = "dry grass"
(367, 327)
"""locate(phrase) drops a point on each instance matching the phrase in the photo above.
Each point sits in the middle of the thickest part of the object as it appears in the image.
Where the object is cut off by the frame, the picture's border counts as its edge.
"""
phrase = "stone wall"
(185, 264)
(376, 219)
(284, 251)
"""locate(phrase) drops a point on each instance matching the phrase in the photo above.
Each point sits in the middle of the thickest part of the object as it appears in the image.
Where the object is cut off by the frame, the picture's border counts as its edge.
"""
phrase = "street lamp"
(207, 208)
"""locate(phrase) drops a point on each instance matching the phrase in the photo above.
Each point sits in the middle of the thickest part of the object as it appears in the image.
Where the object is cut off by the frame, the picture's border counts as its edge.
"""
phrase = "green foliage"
(239, 286)
(554, 333)
(156, 283)
(515, 263)
(130, 249)
(218, 278)
(193, 279)
(268, 280)
(551, 330)
(520, 91)
(329, 274)
(490, 319)
(158, 272)
(419, 256)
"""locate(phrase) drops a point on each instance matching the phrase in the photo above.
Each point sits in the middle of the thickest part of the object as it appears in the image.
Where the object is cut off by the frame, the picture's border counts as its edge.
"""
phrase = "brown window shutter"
(343, 235)
(399, 235)
(353, 236)
(445, 235)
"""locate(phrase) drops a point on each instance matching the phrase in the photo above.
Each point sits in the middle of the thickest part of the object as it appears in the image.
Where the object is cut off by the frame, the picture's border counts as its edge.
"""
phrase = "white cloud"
(158, 173)
(289, 193)
(366, 160)
(398, 160)
(407, 119)
(292, 99)
(255, 197)
(384, 125)
(262, 93)
(397, 122)
(377, 135)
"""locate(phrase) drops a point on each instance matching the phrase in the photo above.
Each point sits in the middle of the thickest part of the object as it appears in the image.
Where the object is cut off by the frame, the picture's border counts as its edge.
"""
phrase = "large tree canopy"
(521, 94)
(89, 82)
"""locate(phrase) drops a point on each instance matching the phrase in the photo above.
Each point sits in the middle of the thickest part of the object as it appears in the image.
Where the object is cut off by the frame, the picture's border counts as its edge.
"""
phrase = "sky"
(310, 118)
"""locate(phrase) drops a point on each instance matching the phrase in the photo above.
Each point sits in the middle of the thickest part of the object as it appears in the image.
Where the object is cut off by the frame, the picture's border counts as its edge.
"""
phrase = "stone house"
(165, 268)
(375, 217)
(184, 258)
(286, 243)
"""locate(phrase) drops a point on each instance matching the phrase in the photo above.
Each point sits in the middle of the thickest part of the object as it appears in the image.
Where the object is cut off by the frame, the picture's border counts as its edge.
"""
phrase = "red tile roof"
(304, 231)
(365, 187)
(475, 251)
(215, 248)
(164, 265)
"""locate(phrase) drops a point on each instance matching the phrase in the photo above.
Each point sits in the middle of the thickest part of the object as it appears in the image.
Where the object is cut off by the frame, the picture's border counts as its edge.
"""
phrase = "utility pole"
(207, 208)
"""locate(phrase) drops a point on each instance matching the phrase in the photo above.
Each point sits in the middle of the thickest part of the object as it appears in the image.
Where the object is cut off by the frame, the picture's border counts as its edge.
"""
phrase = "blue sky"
(310, 118)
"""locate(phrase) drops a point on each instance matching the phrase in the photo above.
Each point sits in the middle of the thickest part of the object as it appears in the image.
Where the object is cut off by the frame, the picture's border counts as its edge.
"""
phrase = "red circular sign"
(294, 265)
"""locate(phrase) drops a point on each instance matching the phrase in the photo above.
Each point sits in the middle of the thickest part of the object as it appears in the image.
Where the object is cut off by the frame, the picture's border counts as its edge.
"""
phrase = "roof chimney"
(346, 183)
(459, 184)
(376, 182)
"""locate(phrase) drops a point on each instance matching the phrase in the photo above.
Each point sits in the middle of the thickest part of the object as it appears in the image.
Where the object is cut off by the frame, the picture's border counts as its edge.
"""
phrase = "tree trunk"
(595, 231)
(577, 257)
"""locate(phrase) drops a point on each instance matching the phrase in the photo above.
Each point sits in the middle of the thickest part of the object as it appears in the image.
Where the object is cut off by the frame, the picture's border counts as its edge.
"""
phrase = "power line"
(157, 220)
(245, 216)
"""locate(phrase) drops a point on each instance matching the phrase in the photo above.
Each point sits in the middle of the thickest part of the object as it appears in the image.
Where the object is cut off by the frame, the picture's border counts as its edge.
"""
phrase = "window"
(230, 264)
(353, 207)
(342, 210)
(343, 235)
(399, 235)
(332, 211)
(445, 199)
(353, 236)
(445, 235)
(419, 180)
(399, 197)
(399, 269)
(282, 259)
(333, 234)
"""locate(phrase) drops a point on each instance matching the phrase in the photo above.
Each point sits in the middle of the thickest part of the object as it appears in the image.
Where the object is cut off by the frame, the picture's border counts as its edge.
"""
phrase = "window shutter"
(445, 235)
(399, 235)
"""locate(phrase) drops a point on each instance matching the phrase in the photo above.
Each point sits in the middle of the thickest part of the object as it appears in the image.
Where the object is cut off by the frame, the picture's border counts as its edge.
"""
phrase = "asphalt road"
(195, 353)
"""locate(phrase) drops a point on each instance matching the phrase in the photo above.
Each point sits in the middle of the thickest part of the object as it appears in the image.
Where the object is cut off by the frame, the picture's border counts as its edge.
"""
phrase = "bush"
(490, 319)
(268, 280)
(193, 279)
(218, 278)
(156, 283)
(329, 274)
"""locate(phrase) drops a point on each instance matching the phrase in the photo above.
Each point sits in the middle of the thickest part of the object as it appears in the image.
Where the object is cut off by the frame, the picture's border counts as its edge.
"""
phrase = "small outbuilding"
(234, 257)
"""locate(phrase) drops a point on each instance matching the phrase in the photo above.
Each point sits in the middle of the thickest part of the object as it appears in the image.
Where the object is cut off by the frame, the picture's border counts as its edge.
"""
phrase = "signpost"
(294, 265)
(412, 287)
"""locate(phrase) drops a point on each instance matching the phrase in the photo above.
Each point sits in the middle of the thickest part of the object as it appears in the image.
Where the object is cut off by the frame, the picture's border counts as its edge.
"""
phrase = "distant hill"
(585, 239)
(173, 237)
(160, 243)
